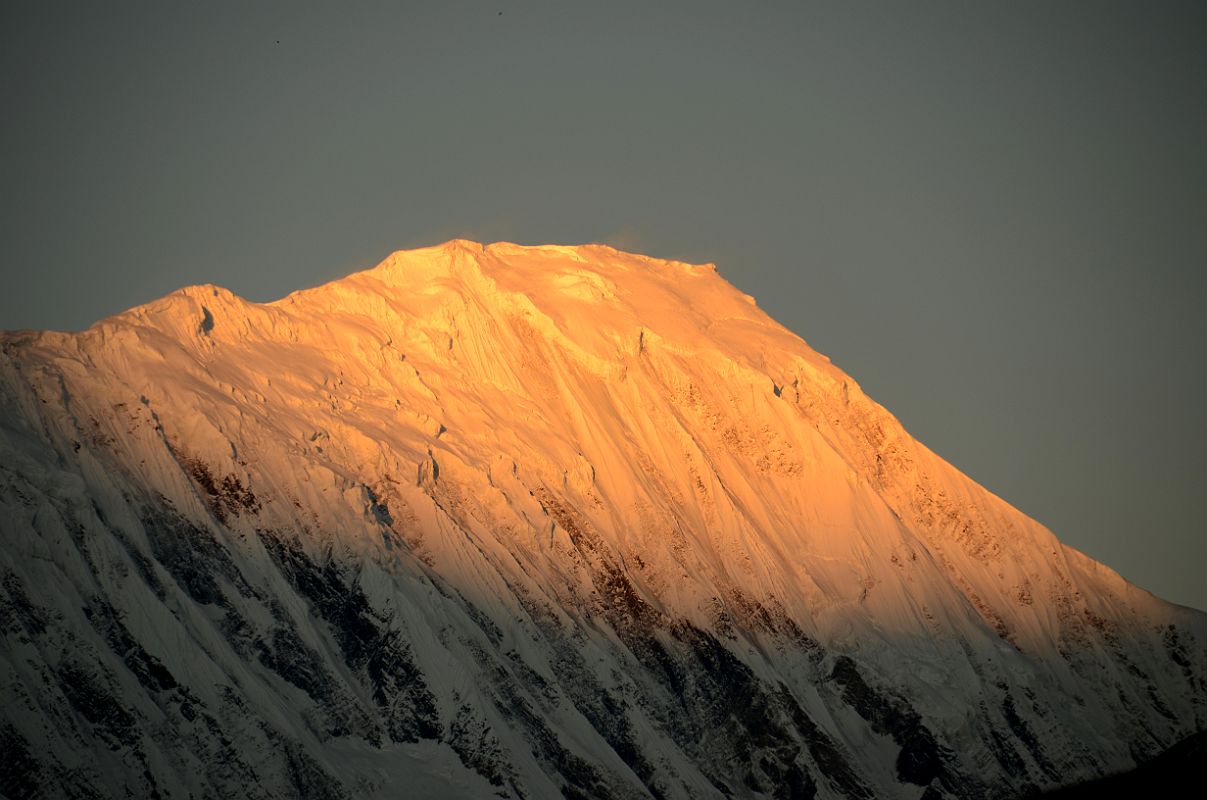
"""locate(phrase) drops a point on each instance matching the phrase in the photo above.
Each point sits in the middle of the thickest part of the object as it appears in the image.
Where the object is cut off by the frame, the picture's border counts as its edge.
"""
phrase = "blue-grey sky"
(993, 215)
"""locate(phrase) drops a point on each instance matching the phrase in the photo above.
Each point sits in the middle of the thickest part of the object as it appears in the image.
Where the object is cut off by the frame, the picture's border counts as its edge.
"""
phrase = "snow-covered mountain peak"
(598, 503)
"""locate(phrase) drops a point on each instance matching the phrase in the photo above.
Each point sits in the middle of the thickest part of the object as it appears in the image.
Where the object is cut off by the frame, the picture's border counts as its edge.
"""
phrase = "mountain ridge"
(523, 463)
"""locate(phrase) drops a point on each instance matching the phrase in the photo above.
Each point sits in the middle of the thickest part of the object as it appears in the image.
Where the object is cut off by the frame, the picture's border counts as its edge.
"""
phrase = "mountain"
(529, 522)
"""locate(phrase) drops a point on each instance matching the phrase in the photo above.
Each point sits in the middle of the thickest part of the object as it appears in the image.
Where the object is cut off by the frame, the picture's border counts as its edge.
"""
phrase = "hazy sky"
(994, 216)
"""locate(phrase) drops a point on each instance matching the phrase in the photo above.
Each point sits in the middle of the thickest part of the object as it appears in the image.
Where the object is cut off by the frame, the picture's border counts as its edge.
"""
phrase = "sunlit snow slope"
(530, 522)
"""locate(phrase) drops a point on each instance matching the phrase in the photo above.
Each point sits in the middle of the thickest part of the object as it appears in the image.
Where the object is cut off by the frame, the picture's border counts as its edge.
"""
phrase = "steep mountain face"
(530, 522)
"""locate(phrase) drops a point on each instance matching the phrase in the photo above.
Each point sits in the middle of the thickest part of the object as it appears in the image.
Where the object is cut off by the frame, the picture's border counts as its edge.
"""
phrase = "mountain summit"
(528, 522)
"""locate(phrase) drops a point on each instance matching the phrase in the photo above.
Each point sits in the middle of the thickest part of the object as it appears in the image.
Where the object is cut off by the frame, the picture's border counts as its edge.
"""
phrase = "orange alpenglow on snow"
(561, 457)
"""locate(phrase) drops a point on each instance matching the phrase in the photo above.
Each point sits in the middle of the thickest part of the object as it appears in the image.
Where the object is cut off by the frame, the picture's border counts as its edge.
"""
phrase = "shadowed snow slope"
(530, 522)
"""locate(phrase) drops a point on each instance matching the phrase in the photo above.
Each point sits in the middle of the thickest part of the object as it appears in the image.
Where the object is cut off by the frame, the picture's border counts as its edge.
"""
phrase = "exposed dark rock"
(150, 671)
(921, 759)
(477, 747)
(94, 697)
(192, 556)
(19, 616)
(369, 646)
(226, 496)
(307, 778)
(1023, 733)
(21, 775)
(582, 780)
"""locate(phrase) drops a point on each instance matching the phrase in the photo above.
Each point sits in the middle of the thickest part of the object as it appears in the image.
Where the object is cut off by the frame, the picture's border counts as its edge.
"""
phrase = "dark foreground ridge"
(1178, 772)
